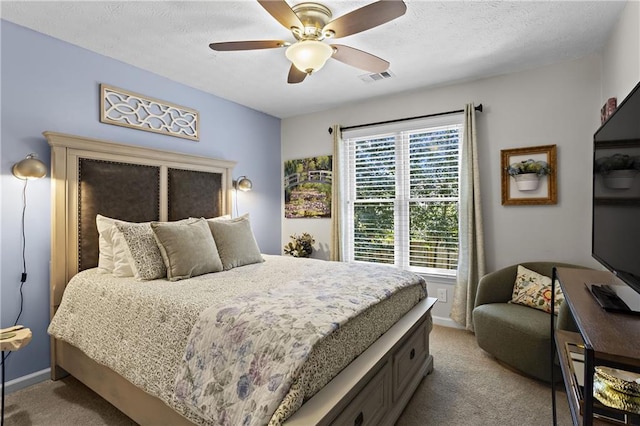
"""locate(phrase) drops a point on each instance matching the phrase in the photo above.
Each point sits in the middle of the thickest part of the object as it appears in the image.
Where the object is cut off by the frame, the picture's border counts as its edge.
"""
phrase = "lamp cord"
(23, 277)
(236, 197)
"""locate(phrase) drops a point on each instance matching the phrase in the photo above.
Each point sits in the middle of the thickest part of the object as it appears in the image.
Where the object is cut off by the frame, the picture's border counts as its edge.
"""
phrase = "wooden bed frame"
(373, 389)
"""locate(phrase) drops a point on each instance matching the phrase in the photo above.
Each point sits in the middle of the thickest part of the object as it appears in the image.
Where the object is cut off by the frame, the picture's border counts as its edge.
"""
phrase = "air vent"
(370, 78)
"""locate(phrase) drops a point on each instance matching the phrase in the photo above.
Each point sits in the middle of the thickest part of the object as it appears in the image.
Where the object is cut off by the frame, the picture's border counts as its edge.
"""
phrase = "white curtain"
(471, 261)
(335, 250)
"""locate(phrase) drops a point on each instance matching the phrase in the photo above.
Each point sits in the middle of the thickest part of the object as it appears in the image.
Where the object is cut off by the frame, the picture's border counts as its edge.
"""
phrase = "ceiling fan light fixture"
(309, 55)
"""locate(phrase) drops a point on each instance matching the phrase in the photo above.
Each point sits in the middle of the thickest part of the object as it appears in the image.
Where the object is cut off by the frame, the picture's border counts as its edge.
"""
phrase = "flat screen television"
(616, 193)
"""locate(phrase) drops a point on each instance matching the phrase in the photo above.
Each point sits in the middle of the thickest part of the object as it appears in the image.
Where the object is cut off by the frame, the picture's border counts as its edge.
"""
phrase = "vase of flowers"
(527, 173)
(300, 245)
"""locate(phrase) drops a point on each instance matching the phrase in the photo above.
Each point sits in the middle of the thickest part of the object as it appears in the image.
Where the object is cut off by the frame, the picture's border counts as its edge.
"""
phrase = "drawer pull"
(412, 354)
(359, 420)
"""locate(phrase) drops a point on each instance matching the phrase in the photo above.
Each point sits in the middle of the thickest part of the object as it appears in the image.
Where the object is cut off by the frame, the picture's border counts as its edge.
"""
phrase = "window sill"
(439, 278)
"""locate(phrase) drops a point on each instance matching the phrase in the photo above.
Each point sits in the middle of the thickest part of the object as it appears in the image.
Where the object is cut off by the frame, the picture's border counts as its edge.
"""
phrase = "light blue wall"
(51, 85)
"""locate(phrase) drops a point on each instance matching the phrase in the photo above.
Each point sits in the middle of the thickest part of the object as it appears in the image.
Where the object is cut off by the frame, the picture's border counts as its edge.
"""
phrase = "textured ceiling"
(433, 44)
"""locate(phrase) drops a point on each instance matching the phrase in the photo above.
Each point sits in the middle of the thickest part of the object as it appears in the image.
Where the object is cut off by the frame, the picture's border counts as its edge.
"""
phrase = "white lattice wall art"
(129, 109)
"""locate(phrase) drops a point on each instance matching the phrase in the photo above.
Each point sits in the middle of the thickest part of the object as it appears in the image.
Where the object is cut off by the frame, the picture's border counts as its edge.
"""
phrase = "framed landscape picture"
(307, 187)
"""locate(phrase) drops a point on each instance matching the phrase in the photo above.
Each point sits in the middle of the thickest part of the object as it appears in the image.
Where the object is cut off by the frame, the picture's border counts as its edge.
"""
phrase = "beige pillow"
(534, 290)
(187, 248)
(235, 241)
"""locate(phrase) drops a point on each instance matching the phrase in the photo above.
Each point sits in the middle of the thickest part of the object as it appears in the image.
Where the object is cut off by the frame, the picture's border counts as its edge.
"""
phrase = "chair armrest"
(565, 320)
(496, 287)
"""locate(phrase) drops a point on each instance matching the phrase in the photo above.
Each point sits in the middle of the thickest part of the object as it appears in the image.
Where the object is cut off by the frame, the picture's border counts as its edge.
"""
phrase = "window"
(401, 191)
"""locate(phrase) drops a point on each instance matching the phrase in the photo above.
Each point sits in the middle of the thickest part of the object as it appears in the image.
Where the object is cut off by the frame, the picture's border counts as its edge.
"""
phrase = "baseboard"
(28, 380)
(446, 322)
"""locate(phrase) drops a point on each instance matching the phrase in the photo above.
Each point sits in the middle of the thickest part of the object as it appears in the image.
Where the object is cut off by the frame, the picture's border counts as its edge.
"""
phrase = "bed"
(146, 375)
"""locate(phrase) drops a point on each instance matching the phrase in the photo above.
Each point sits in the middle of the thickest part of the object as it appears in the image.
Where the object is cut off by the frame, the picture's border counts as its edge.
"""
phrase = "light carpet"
(467, 387)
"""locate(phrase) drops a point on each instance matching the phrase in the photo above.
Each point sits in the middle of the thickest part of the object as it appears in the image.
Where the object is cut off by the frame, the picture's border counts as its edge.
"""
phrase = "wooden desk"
(606, 338)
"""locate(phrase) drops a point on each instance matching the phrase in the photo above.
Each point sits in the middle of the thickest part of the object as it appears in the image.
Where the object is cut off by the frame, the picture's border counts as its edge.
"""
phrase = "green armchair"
(517, 335)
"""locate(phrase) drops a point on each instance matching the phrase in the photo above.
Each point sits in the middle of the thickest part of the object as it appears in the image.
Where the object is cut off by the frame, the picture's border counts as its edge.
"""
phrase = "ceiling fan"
(311, 24)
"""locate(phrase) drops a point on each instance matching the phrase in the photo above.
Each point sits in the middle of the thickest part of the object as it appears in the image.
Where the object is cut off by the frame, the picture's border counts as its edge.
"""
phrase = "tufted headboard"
(91, 176)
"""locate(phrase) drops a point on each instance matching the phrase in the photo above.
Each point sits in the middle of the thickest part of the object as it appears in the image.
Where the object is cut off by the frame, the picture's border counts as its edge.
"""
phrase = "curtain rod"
(477, 108)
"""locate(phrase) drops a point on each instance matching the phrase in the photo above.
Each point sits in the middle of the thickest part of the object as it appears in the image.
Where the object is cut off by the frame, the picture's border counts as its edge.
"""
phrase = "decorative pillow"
(534, 290)
(105, 243)
(114, 252)
(121, 254)
(145, 257)
(235, 241)
(187, 248)
(224, 217)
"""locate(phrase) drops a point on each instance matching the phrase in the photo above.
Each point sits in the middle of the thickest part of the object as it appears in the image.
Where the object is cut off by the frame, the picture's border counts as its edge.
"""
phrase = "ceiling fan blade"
(295, 75)
(280, 10)
(248, 45)
(359, 59)
(366, 17)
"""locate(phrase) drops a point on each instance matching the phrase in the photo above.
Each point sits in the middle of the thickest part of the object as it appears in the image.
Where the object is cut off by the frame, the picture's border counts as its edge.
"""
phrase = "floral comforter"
(243, 355)
(141, 329)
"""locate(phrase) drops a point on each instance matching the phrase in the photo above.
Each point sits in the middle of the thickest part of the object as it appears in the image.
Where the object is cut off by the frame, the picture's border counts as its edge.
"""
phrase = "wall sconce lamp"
(243, 183)
(29, 168)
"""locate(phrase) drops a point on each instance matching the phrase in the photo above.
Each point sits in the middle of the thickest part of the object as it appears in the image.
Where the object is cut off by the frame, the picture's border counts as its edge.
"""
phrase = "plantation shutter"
(433, 197)
(374, 186)
(401, 190)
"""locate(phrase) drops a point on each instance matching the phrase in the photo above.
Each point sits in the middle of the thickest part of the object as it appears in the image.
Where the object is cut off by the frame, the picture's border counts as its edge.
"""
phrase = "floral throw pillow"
(534, 290)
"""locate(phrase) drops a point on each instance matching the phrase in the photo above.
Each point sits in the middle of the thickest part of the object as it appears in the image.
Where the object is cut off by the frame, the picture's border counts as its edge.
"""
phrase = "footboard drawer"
(370, 406)
(408, 359)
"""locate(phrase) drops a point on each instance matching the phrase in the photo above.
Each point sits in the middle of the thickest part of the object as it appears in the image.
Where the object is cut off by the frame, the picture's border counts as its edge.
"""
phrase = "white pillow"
(113, 257)
(105, 244)
(121, 254)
